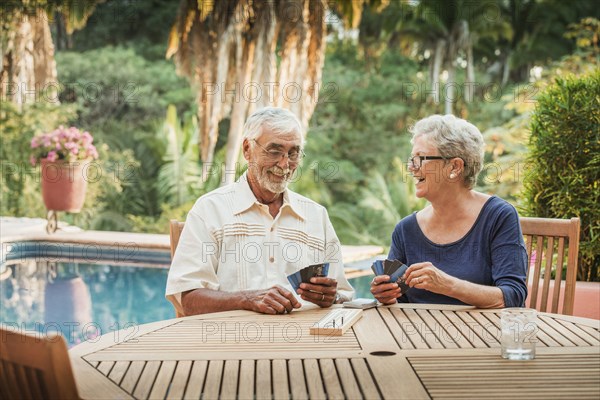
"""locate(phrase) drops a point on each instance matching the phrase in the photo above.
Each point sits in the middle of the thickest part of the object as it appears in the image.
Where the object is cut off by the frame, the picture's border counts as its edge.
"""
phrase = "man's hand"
(320, 291)
(275, 300)
(384, 291)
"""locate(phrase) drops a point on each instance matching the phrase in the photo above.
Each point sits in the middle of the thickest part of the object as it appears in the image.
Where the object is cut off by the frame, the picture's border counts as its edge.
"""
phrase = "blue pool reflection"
(84, 301)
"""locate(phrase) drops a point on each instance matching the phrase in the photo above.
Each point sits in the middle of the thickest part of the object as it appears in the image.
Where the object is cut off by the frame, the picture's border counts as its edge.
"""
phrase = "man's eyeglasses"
(416, 161)
(276, 155)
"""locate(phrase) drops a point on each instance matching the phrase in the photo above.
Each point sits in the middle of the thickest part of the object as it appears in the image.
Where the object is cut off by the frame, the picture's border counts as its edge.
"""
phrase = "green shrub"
(564, 164)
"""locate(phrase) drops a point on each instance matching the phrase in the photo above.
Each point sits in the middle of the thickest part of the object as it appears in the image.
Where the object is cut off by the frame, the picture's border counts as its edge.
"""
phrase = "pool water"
(84, 301)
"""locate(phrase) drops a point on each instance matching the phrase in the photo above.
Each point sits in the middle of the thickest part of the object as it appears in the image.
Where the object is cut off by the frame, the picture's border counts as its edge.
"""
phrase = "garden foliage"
(563, 179)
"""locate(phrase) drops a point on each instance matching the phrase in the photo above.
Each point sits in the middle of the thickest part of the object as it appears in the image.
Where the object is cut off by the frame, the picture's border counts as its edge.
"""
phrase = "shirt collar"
(245, 199)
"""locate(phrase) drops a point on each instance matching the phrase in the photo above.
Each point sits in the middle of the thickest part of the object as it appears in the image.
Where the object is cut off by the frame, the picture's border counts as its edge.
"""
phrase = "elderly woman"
(465, 247)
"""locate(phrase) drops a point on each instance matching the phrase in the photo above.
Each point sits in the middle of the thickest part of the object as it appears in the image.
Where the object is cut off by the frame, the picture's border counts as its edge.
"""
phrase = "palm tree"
(245, 54)
(449, 30)
(28, 67)
(228, 51)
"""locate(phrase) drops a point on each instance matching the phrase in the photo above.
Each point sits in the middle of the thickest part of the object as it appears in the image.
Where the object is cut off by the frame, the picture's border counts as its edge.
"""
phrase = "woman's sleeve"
(509, 258)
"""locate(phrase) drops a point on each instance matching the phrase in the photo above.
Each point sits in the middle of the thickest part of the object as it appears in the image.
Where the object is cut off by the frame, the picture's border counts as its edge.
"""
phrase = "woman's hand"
(384, 291)
(426, 276)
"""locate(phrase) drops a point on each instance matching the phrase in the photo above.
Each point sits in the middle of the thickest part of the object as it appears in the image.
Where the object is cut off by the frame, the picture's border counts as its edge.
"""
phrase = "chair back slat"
(547, 271)
(35, 366)
(559, 271)
(573, 256)
(529, 246)
(13, 388)
(552, 237)
(21, 373)
(36, 383)
(537, 267)
(175, 229)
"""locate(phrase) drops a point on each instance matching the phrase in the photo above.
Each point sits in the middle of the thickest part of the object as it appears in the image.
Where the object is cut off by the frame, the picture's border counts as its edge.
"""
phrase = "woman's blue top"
(492, 253)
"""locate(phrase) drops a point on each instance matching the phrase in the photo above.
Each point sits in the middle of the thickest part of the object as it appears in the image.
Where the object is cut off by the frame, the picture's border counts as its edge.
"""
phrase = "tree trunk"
(263, 87)
(201, 42)
(28, 66)
(244, 61)
(470, 84)
(450, 92)
(506, 69)
(439, 55)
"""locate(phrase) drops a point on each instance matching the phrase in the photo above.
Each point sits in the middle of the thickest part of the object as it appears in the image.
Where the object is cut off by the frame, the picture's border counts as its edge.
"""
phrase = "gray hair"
(277, 120)
(454, 137)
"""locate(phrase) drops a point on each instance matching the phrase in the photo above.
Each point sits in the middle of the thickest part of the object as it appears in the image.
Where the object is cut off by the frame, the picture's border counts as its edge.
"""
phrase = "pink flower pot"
(63, 185)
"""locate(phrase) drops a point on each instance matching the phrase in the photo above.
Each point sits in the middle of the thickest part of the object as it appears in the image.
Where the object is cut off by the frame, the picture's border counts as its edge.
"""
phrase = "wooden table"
(400, 351)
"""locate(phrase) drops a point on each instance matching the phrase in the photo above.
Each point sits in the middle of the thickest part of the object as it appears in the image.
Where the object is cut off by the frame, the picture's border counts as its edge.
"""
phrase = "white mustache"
(280, 171)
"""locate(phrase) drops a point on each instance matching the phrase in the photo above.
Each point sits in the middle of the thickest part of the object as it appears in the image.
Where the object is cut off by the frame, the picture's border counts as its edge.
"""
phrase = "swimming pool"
(88, 294)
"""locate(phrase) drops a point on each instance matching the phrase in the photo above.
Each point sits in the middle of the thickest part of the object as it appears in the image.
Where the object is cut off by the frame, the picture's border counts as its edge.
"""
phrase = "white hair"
(454, 137)
(277, 120)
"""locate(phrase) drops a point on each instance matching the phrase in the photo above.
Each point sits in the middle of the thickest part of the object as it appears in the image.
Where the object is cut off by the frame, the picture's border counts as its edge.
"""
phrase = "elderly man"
(242, 240)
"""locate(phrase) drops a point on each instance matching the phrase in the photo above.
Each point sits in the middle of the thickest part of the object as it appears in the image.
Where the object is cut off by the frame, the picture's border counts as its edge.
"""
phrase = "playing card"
(394, 269)
(295, 280)
(390, 266)
(377, 267)
(396, 276)
(306, 273)
(319, 270)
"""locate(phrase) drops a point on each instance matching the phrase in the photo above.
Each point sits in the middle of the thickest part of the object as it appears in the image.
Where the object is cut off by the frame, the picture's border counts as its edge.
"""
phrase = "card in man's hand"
(306, 273)
(394, 269)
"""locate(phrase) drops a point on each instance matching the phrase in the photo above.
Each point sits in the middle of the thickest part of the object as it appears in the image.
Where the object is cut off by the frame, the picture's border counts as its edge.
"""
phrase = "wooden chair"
(547, 239)
(175, 228)
(35, 367)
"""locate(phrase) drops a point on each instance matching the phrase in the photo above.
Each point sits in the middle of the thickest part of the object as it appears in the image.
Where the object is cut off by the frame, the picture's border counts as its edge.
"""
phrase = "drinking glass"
(519, 330)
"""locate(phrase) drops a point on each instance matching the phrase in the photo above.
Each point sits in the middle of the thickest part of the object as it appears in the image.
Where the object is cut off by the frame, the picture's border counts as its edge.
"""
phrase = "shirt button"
(272, 259)
(272, 228)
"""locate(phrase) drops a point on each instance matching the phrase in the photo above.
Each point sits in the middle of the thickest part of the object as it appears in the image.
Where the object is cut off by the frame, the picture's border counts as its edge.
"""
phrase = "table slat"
(144, 385)
(423, 332)
(365, 379)
(105, 367)
(280, 380)
(180, 379)
(330, 378)
(230, 379)
(313, 379)
(574, 329)
(297, 384)
(132, 376)
(263, 379)
(118, 371)
(163, 379)
(246, 385)
(212, 385)
(196, 380)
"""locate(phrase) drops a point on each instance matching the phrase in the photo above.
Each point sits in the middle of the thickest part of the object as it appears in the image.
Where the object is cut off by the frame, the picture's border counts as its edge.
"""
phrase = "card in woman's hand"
(394, 269)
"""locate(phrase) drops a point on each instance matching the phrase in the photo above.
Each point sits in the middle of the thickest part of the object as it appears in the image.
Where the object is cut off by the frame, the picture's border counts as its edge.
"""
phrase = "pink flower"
(52, 156)
(69, 144)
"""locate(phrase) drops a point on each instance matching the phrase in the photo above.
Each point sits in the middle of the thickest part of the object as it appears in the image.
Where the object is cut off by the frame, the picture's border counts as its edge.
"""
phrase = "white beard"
(271, 186)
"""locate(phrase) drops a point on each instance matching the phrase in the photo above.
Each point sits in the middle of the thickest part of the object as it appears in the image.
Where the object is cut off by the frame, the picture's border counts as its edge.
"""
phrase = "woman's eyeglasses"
(416, 161)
